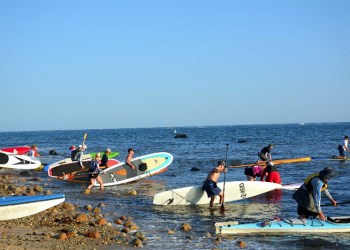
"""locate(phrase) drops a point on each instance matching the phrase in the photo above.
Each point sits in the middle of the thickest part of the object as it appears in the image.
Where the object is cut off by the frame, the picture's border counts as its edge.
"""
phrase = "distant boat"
(301, 123)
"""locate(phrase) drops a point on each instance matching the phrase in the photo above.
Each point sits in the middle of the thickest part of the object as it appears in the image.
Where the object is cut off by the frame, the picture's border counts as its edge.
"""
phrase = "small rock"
(186, 227)
(68, 206)
(62, 236)
(241, 244)
(133, 227)
(101, 204)
(171, 231)
(87, 191)
(38, 188)
(128, 223)
(195, 169)
(88, 208)
(93, 234)
(118, 222)
(71, 233)
(82, 218)
(136, 243)
(101, 221)
(97, 210)
(131, 192)
(123, 217)
(217, 241)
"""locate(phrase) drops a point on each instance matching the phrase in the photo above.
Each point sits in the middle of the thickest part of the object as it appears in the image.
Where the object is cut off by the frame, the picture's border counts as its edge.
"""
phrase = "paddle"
(85, 136)
(222, 208)
(338, 203)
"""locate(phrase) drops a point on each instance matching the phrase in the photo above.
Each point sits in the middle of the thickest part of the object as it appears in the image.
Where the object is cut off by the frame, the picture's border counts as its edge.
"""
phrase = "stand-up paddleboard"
(286, 226)
(293, 186)
(22, 162)
(234, 191)
(82, 175)
(20, 150)
(146, 165)
(337, 158)
(13, 207)
(67, 166)
(275, 162)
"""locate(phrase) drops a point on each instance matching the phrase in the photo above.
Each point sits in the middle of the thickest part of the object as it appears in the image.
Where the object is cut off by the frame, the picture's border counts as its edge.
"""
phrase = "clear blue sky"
(129, 64)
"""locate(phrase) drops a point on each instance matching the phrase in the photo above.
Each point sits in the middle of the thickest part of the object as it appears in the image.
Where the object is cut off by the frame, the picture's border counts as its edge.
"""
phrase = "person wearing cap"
(94, 172)
(271, 174)
(308, 196)
(71, 149)
(77, 155)
(265, 153)
(129, 157)
(104, 160)
(210, 184)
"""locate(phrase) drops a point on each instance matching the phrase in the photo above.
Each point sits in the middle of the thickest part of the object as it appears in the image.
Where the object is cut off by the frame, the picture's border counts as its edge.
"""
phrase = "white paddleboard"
(13, 207)
(234, 191)
(293, 186)
(13, 161)
(121, 173)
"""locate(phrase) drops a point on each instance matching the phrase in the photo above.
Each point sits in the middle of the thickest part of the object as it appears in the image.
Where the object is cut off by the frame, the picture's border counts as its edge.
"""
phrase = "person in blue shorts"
(210, 184)
(343, 148)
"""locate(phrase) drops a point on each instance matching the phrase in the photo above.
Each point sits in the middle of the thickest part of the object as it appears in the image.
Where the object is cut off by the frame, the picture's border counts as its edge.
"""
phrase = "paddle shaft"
(223, 196)
(338, 203)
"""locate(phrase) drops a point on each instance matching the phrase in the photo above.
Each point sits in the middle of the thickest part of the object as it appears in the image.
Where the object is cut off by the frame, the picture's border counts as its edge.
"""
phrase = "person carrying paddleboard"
(77, 155)
(210, 184)
(253, 172)
(104, 160)
(265, 153)
(71, 149)
(308, 196)
(271, 174)
(33, 151)
(129, 158)
(94, 172)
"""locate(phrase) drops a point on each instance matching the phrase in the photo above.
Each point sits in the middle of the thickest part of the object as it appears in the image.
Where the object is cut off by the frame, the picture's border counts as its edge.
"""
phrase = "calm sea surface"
(202, 149)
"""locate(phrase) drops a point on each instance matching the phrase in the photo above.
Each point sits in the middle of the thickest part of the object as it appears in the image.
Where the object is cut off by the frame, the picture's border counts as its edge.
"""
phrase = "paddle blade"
(222, 208)
(85, 136)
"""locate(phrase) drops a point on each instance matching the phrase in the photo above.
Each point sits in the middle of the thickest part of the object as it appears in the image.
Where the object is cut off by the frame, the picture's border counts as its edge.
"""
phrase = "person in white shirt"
(343, 148)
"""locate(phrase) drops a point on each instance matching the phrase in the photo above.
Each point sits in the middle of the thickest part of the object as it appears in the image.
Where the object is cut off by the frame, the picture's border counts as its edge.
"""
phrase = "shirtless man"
(210, 184)
(129, 158)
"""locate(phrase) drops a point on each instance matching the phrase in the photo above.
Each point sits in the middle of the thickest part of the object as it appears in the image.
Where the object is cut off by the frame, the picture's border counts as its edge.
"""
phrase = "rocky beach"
(65, 226)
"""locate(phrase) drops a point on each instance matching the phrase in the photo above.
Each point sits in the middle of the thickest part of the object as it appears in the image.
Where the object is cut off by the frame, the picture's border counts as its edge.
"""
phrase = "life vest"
(307, 182)
(73, 154)
(93, 166)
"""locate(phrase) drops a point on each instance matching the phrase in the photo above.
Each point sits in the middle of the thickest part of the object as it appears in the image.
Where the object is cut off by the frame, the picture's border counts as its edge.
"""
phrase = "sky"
(150, 63)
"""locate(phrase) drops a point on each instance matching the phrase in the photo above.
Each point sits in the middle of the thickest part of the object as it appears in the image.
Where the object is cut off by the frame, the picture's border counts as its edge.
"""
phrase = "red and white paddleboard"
(19, 150)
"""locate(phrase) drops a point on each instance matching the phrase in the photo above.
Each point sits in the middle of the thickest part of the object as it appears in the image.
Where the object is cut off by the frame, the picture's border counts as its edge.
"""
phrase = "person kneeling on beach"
(94, 172)
(210, 184)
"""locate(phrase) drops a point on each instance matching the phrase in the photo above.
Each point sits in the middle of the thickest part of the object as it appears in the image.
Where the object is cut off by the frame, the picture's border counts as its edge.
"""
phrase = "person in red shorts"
(271, 174)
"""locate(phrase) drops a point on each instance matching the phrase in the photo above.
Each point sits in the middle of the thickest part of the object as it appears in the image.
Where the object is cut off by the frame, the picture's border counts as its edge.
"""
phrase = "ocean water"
(202, 149)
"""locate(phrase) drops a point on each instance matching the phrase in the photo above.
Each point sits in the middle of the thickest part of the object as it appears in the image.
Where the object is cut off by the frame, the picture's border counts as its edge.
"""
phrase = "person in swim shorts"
(210, 184)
